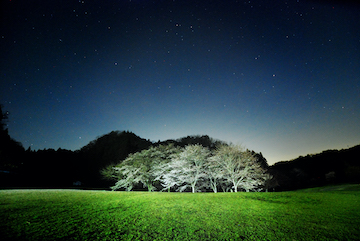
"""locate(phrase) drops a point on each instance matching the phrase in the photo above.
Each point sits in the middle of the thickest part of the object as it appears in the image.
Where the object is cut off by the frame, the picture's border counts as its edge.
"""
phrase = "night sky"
(279, 77)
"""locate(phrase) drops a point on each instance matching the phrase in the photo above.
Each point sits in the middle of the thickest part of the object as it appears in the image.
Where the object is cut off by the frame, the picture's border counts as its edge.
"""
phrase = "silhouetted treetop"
(11, 151)
(3, 117)
(203, 140)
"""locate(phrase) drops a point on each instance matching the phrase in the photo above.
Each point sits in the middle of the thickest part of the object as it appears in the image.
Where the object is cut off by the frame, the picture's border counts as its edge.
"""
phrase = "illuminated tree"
(187, 169)
(139, 167)
(214, 175)
(237, 167)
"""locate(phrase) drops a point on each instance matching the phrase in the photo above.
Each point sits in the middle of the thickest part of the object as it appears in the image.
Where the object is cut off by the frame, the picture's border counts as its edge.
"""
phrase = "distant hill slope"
(105, 150)
(327, 167)
(334, 188)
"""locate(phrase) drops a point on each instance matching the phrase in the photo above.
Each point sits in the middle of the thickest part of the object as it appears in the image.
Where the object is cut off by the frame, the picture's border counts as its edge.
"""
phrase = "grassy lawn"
(102, 215)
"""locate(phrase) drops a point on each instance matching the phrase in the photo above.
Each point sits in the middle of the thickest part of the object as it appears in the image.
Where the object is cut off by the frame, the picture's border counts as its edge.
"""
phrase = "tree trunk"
(213, 187)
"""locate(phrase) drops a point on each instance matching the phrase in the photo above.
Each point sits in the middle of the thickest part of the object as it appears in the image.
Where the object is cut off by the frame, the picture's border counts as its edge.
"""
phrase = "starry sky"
(279, 77)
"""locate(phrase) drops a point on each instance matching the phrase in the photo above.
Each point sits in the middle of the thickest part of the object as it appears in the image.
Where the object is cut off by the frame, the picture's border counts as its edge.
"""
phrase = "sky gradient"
(281, 78)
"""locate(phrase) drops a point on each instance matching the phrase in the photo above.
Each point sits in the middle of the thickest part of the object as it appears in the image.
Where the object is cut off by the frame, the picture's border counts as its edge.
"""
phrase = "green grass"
(334, 188)
(103, 215)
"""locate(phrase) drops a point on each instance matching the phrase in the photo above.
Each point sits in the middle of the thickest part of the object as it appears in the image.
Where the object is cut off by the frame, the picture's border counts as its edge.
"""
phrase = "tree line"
(314, 170)
(193, 167)
(82, 168)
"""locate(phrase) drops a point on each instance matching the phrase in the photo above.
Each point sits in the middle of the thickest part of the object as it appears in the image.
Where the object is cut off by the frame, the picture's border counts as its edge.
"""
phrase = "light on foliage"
(196, 167)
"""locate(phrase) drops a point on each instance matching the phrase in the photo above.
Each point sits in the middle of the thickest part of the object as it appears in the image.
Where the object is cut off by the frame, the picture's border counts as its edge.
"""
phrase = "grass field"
(312, 214)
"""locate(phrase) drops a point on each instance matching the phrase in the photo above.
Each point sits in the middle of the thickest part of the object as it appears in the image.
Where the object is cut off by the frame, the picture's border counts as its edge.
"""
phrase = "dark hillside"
(64, 168)
(105, 150)
(327, 167)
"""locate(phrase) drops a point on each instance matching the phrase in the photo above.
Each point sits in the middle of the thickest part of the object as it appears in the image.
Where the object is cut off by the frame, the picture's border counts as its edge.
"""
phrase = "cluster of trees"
(10, 150)
(193, 167)
(12, 153)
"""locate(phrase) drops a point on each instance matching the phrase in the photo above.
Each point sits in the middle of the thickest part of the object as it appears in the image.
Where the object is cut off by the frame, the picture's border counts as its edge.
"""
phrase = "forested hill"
(327, 167)
(65, 168)
(105, 150)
